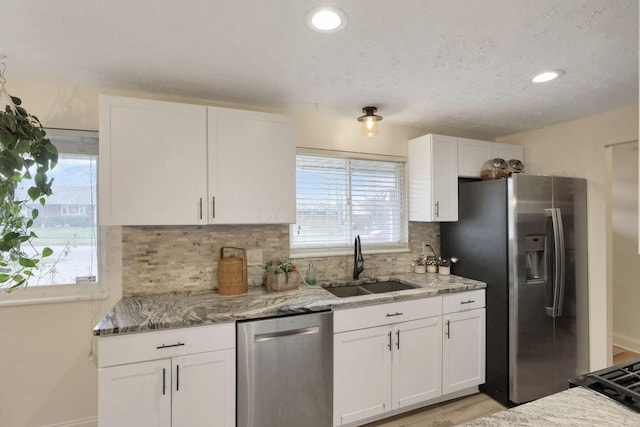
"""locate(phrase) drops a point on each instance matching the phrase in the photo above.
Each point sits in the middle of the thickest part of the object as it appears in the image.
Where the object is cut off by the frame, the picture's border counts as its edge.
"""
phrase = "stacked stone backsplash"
(158, 259)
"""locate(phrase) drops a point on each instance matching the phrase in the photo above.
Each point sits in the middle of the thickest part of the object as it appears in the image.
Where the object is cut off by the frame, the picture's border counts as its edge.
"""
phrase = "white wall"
(625, 260)
(577, 148)
(47, 372)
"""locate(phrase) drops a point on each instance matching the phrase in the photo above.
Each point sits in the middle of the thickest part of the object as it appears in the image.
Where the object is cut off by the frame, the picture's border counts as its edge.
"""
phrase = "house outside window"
(339, 197)
(67, 223)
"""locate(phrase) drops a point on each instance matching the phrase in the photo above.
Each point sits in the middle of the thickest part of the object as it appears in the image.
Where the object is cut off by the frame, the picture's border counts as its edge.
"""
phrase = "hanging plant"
(26, 155)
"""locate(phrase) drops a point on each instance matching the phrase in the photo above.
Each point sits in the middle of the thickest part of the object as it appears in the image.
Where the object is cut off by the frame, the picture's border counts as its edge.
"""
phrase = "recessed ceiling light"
(326, 19)
(547, 76)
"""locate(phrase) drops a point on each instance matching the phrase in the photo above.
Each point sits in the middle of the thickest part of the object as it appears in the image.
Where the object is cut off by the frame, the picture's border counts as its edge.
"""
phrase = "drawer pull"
(397, 313)
(160, 347)
(164, 380)
(389, 345)
(467, 302)
(448, 333)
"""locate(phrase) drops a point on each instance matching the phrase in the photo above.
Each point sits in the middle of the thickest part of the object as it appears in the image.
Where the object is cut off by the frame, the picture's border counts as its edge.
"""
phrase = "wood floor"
(621, 355)
(459, 411)
(444, 414)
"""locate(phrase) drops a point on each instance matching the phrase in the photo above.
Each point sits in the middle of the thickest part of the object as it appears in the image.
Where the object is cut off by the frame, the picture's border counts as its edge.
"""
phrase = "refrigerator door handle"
(559, 263)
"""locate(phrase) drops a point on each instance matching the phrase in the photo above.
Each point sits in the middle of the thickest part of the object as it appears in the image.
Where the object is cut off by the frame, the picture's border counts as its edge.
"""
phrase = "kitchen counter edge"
(185, 309)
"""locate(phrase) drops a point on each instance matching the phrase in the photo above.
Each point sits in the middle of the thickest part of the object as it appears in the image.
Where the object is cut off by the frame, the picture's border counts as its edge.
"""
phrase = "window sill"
(52, 294)
(330, 252)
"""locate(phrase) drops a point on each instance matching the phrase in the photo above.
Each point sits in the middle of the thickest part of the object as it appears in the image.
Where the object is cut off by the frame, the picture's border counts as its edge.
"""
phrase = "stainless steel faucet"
(358, 260)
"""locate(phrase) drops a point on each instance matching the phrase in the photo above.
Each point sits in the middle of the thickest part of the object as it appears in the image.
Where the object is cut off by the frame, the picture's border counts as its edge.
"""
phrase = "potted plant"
(432, 264)
(419, 264)
(281, 275)
(23, 148)
(444, 265)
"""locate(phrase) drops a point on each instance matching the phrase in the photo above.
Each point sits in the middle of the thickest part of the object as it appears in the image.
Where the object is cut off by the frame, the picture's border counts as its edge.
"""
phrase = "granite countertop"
(181, 309)
(580, 407)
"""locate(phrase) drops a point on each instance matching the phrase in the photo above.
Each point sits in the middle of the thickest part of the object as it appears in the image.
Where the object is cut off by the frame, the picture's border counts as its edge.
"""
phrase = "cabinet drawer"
(138, 347)
(463, 301)
(349, 319)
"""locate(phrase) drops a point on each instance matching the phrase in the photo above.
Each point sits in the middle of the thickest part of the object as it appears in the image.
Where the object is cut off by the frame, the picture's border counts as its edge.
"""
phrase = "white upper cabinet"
(252, 167)
(153, 162)
(165, 163)
(433, 178)
(473, 153)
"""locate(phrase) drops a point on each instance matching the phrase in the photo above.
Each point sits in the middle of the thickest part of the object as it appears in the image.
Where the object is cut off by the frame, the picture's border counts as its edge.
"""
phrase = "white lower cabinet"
(463, 360)
(177, 389)
(402, 354)
(383, 368)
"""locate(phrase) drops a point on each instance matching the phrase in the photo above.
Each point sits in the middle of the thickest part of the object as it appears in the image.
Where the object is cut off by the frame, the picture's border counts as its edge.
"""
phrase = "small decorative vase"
(432, 268)
(445, 271)
(419, 268)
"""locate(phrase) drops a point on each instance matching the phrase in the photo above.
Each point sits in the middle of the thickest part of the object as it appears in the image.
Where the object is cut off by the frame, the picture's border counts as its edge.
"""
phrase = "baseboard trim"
(85, 422)
(627, 342)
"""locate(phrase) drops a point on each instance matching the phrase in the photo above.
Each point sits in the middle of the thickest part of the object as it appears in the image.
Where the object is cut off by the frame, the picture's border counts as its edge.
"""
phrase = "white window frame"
(77, 142)
(367, 248)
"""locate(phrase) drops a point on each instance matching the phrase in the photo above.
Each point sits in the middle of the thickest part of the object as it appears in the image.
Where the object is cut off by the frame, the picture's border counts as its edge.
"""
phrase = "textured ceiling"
(459, 67)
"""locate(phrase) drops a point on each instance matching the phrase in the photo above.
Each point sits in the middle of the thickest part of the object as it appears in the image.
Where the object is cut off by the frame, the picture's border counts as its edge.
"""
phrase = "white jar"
(445, 271)
(432, 268)
(419, 268)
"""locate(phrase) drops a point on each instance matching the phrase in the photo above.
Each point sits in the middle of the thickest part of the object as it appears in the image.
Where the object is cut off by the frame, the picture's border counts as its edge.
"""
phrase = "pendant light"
(369, 121)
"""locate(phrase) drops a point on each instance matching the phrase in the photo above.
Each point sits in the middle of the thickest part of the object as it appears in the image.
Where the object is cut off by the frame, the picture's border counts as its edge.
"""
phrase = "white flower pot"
(445, 271)
(432, 268)
(419, 268)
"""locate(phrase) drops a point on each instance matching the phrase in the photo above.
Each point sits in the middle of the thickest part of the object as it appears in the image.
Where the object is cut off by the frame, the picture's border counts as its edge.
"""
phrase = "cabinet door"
(252, 167)
(361, 374)
(463, 360)
(508, 151)
(433, 178)
(417, 361)
(153, 168)
(137, 394)
(472, 153)
(204, 389)
(445, 178)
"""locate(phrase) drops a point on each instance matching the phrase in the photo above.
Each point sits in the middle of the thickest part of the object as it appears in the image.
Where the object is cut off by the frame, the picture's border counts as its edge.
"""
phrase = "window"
(339, 198)
(67, 222)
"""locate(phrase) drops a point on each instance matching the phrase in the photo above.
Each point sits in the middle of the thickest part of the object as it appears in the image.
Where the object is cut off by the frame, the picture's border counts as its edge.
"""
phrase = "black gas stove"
(621, 383)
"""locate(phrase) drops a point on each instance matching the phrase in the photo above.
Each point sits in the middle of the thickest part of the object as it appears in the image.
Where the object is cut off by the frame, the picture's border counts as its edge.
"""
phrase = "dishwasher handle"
(283, 334)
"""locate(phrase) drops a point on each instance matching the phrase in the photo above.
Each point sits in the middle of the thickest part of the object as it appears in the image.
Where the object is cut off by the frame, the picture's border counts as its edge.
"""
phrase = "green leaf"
(4, 277)
(28, 262)
(47, 252)
(34, 213)
(34, 193)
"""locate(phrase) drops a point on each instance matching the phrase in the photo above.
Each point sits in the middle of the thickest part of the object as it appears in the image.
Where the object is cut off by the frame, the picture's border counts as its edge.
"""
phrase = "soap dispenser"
(310, 278)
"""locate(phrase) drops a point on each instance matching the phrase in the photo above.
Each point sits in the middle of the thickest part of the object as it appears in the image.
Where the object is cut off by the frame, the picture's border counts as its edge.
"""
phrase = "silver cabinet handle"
(200, 207)
(213, 208)
(467, 302)
(282, 334)
(437, 209)
(398, 339)
(179, 344)
(389, 345)
(448, 333)
(397, 313)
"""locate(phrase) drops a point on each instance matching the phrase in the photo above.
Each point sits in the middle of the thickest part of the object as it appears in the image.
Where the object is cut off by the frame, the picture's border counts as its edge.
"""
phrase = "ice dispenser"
(536, 260)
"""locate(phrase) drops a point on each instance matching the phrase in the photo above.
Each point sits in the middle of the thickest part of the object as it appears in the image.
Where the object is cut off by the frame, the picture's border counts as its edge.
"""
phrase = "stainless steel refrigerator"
(526, 237)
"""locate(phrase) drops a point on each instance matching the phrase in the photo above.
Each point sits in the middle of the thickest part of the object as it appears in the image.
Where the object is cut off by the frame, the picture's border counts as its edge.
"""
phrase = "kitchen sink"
(389, 286)
(368, 289)
(348, 291)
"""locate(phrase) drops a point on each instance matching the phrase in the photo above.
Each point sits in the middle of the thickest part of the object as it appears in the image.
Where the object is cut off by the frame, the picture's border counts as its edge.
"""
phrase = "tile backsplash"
(157, 259)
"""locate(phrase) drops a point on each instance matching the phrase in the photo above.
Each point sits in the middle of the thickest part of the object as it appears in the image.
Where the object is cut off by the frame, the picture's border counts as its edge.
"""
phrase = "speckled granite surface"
(180, 309)
(579, 407)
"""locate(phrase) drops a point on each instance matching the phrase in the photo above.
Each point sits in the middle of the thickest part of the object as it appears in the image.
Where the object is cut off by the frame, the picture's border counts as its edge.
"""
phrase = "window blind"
(339, 198)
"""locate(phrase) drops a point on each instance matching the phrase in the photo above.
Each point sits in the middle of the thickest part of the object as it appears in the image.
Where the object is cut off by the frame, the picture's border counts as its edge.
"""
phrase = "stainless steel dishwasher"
(285, 371)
